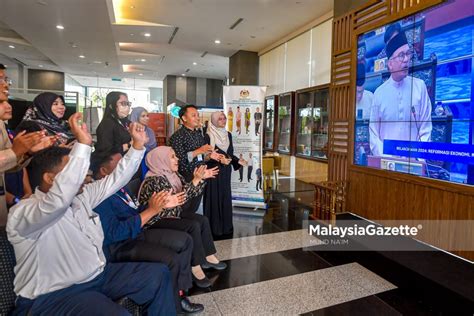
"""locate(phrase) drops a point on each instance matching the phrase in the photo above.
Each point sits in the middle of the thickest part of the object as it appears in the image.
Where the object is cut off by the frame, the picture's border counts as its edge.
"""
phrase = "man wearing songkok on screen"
(402, 108)
(60, 266)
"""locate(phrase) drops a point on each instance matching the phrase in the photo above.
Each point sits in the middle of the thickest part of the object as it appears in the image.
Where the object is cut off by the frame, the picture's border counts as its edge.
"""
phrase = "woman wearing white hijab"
(217, 194)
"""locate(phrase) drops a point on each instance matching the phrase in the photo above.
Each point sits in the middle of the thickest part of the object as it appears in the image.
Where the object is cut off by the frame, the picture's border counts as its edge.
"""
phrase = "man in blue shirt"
(125, 239)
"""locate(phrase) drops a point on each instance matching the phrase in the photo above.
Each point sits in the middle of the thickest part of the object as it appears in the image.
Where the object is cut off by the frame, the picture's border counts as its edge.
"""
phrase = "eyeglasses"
(6, 80)
(401, 57)
(125, 103)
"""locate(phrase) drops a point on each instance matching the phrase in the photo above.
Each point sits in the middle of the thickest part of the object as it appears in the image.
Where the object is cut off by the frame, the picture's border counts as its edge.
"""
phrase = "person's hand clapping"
(199, 173)
(214, 155)
(158, 201)
(23, 142)
(44, 143)
(211, 173)
(138, 133)
(80, 130)
(175, 200)
(203, 150)
(225, 161)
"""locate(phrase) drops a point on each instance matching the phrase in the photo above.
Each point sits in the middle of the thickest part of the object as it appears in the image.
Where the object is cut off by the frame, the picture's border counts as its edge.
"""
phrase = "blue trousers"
(147, 284)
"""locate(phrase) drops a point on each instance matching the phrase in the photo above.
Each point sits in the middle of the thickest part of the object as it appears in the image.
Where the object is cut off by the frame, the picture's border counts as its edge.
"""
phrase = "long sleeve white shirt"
(56, 235)
(400, 111)
(8, 160)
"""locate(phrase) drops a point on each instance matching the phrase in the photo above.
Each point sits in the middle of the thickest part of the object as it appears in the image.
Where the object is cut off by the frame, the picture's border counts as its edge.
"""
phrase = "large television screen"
(414, 95)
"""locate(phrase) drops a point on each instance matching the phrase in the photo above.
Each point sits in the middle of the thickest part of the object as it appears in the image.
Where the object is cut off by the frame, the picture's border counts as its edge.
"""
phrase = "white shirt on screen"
(365, 104)
(56, 236)
(400, 111)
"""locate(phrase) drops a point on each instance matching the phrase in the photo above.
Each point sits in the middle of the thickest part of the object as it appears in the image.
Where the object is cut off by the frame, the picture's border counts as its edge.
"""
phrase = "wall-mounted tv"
(414, 95)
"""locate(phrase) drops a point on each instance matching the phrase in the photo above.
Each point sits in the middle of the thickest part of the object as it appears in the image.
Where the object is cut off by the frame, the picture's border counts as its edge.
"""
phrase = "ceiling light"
(184, 75)
(41, 66)
(131, 34)
(82, 56)
(11, 46)
(140, 74)
(217, 41)
(143, 60)
(60, 27)
(97, 62)
(195, 63)
(147, 34)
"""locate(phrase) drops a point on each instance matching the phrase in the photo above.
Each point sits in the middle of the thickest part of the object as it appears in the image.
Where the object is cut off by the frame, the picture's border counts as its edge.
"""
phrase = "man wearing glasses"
(402, 107)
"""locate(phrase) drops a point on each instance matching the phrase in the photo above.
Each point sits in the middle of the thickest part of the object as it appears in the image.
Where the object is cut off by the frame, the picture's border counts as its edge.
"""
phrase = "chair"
(7, 275)
(329, 199)
(267, 171)
(277, 168)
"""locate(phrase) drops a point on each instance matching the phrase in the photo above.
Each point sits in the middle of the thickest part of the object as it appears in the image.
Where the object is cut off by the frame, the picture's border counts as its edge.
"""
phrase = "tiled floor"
(270, 273)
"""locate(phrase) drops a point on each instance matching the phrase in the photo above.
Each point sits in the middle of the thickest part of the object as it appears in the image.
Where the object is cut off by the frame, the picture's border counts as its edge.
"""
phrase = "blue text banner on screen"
(434, 151)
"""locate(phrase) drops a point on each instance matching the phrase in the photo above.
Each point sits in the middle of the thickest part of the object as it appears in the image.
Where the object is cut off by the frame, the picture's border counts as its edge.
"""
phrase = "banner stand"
(243, 106)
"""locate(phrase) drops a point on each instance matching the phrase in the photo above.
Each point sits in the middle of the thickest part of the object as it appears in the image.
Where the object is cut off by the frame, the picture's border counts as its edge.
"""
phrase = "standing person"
(164, 176)
(247, 120)
(258, 173)
(218, 194)
(112, 131)
(47, 114)
(241, 169)
(238, 120)
(230, 119)
(258, 120)
(402, 108)
(191, 149)
(140, 115)
(60, 265)
(249, 168)
(126, 239)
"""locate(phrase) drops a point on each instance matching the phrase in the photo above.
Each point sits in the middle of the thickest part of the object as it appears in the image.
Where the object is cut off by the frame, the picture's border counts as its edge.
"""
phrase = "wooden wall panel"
(377, 194)
(311, 170)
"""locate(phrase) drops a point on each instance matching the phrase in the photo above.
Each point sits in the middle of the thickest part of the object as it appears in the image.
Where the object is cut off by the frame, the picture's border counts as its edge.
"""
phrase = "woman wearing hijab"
(112, 132)
(140, 115)
(47, 114)
(163, 176)
(217, 195)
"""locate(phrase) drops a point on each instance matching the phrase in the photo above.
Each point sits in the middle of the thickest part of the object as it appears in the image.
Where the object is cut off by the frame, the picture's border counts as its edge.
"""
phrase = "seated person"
(163, 176)
(47, 114)
(60, 266)
(125, 240)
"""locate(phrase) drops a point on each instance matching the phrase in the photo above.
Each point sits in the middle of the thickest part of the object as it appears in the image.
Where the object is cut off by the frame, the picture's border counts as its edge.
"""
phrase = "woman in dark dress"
(217, 194)
(112, 131)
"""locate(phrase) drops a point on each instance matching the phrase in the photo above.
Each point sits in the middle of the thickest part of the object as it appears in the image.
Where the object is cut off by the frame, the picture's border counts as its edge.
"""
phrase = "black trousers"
(259, 183)
(192, 205)
(241, 173)
(170, 247)
(198, 227)
(249, 173)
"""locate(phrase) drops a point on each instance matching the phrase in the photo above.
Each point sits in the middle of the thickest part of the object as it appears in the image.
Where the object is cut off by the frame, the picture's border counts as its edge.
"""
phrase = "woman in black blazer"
(112, 131)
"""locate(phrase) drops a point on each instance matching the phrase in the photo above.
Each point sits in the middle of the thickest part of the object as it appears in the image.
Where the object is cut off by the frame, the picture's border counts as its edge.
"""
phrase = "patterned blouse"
(160, 183)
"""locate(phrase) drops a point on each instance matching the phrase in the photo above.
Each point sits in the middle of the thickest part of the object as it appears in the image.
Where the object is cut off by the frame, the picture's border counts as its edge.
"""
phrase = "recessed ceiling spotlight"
(82, 56)
(131, 34)
(97, 62)
(41, 66)
(195, 63)
(147, 34)
(140, 74)
(60, 27)
(143, 60)
(184, 75)
(11, 46)
(217, 41)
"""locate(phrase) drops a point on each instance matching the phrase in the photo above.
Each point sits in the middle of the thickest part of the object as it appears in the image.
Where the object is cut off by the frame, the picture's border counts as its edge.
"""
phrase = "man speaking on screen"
(402, 107)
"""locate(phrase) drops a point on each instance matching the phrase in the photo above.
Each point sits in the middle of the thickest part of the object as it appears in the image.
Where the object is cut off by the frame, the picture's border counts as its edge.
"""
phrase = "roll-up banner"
(243, 106)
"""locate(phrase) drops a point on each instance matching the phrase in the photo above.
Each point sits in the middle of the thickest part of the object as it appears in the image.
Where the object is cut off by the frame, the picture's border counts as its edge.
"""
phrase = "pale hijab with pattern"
(218, 136)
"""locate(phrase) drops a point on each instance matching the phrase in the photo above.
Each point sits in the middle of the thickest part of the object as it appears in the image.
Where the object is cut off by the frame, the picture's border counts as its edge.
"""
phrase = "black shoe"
(203, 283)
(190, 308)
(217, 266)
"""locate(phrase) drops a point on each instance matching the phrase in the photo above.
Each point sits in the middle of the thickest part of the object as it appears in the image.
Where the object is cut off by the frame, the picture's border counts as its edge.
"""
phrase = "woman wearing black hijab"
(46, 113)
(112, 132)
